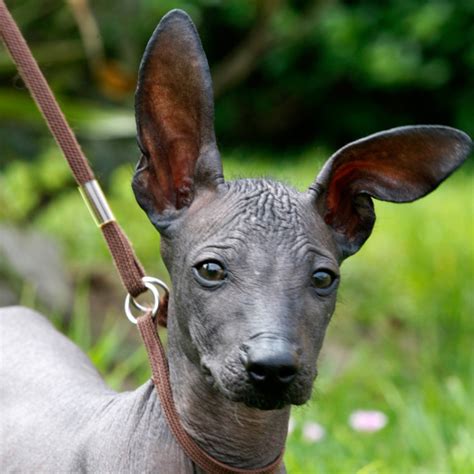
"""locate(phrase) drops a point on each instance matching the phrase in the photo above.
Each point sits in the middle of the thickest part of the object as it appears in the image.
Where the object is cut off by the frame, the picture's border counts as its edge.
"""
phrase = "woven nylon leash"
(156, 355)
(130, 270)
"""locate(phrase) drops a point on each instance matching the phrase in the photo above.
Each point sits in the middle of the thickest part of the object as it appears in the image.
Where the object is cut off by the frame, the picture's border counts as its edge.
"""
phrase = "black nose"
(271, 363)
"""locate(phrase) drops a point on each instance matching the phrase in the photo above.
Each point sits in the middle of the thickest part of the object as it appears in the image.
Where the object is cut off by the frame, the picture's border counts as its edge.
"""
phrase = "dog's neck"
(229, 431)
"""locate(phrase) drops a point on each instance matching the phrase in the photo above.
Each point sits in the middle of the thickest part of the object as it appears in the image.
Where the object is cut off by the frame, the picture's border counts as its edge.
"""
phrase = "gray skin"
(242, 348)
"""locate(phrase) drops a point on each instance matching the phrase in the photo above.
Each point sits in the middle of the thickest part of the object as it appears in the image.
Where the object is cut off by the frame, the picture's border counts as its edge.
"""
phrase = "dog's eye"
(210, 272)
(323, 280)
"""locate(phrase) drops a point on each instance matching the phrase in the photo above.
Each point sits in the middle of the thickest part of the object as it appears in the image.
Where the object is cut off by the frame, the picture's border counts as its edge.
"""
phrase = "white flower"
(367, 421)
(313, 432)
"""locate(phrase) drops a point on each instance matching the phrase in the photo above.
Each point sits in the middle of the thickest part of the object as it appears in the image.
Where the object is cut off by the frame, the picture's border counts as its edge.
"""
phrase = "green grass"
(401, 340)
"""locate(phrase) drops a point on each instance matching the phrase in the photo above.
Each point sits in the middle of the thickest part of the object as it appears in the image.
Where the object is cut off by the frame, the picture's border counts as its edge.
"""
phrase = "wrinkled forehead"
(251, 214)
(264, 207)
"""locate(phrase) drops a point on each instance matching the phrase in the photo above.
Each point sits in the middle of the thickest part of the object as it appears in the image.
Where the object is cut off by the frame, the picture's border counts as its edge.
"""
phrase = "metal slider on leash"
(96, 202)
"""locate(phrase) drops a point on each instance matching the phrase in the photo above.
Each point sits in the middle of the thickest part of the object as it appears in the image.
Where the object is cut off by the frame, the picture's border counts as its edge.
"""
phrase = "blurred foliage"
(286, 73)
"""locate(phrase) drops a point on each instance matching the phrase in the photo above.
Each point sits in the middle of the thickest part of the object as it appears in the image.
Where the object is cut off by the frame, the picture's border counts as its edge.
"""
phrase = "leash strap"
(128, 266)
(130, 270)
(160, 372)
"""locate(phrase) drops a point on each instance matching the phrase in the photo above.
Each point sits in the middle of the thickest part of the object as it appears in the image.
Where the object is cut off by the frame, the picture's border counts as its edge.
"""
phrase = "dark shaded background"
(287, 74)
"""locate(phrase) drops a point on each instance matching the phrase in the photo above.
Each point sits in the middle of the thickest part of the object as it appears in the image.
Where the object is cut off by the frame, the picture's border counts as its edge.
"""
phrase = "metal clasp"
(96, 202)
(151, 283)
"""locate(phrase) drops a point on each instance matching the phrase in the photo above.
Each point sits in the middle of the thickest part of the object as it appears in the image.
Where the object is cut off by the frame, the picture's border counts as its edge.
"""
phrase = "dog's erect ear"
(175, 121)
(398, 165)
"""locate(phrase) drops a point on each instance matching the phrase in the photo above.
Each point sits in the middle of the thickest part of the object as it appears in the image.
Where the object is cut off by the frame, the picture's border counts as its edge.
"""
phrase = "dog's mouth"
(235, 385)
(206, 371)
(267, 401)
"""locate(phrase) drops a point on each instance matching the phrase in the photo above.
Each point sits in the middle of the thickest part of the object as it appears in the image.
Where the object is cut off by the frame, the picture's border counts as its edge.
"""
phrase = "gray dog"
(255, 269)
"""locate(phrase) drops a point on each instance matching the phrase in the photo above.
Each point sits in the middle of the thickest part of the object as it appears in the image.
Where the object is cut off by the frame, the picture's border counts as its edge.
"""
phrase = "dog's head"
(255, 263)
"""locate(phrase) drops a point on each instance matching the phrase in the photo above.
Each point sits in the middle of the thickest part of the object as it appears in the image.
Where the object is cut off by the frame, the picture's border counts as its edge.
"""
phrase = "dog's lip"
(206, 371)
(265, 400)
(243, 357)
(267, 405)
(272, 399)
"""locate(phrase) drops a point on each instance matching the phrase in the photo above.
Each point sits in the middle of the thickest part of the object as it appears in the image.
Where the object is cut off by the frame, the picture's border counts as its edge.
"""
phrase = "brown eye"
(210, 272)
(323, 280)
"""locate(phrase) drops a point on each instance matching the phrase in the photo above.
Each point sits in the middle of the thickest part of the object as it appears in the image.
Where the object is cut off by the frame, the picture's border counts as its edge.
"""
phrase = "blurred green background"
(294, 80)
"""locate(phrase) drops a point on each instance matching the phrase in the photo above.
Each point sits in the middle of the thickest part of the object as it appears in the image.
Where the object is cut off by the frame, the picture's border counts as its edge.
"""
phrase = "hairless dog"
(255, 269)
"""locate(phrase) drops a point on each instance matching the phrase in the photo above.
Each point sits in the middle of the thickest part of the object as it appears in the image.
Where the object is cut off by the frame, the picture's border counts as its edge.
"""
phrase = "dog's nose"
(272, 363)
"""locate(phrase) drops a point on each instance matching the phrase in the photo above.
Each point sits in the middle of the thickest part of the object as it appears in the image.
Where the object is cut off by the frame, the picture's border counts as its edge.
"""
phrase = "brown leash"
(160, 372)
(126, 262)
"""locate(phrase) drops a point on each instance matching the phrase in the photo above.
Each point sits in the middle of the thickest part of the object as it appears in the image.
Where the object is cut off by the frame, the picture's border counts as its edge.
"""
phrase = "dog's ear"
(398, 165)
(175, 121)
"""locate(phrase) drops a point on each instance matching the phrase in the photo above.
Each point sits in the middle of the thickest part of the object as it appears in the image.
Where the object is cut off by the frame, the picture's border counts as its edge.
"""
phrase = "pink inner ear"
(340, 213)
(172, 138)
(398, 165)
(171, 181)
(174, 107)
(186, 154)
(373, 177)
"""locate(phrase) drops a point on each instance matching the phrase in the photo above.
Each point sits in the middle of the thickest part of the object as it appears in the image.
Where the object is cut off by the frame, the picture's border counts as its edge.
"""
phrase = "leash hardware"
(96, 202)
(151, 283)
